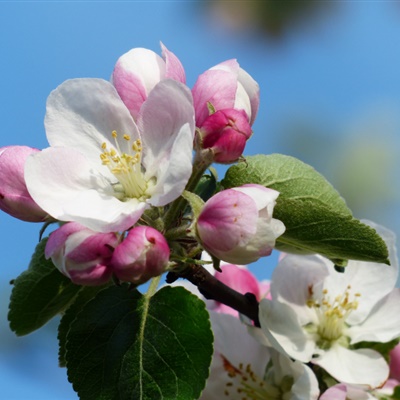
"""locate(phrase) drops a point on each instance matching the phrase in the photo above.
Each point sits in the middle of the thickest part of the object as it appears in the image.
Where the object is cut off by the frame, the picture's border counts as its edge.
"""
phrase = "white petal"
(104, 214)
(305, 384)
(281, 327)
(261, 195)
(362, 276)
(357, 367)
(293, 280)
(142, 64)
(63, 181)
(232, 342)
(82, 113)
(252, 90)
(242, 100)
(382, 324)
(167, 125)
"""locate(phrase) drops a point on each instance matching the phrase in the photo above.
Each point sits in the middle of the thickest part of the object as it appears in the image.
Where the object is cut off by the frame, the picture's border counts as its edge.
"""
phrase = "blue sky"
(338, 74)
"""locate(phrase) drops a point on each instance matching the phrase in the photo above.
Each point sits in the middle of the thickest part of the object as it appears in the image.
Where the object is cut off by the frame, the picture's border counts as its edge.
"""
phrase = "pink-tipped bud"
(139, 70)
(14, 196)
(225, 132)
(236, 225)
(142, 255)
(394, 357)
(225, 86)
(81, 254)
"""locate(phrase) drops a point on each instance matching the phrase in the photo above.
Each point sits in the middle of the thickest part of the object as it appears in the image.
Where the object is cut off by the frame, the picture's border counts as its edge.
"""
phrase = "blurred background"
(330, 95)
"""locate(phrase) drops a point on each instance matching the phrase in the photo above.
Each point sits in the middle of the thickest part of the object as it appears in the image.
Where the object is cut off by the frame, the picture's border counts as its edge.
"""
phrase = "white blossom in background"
(318, 314)
(243, 369)
(102, 169)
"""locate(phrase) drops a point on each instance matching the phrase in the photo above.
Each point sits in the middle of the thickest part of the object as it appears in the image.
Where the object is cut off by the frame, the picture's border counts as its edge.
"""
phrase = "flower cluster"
(125, 179)
(120, 157)
(314, 321)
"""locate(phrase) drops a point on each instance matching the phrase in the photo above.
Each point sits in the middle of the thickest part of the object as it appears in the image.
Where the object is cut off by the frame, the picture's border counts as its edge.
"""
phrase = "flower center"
(126, 167)
(332, 315)
(247, 384)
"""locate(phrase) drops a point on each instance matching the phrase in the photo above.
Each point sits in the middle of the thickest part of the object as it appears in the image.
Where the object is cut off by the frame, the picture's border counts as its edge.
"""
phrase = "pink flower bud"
(142, 255)
(81, 254)
(225, 86)
(14, 196)
(236, 225)
(395, 363)
(226, 133)
(139, 70)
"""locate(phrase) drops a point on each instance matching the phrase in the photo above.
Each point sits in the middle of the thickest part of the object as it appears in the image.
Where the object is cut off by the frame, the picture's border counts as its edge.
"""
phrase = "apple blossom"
(236, 225)
(225, 86)
(225, 132)
(242, 368)
(82, 254)
(102, 170)
(143, 254)
(318, 314)
(14, 196)
(138, 71)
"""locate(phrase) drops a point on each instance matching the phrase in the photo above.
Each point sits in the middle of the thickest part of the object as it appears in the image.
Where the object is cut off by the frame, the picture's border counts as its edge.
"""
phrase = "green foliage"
(124, 345)
(39, 293)
(382, 348)
(86, 294)
(316, 217)
(396, 393)
(206, 186)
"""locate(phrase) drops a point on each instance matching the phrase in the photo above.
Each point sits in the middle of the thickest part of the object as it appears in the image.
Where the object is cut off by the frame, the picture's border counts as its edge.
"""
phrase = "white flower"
(242, 368)
(318, 314)
(102, 169)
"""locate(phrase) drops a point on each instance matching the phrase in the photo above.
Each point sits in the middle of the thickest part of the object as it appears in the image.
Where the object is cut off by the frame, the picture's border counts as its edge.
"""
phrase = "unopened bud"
(14, 196)
(225, 132)
(236, 225)
(82, 254)
(143, 254)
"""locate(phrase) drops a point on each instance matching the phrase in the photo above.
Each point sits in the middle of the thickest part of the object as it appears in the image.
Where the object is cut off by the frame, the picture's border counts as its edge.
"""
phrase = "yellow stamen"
(332, 315)
(126, 167)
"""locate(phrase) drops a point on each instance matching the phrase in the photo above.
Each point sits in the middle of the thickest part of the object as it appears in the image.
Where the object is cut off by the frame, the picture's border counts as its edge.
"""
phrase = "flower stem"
(153, 286)
(201, 162)
(213, 289)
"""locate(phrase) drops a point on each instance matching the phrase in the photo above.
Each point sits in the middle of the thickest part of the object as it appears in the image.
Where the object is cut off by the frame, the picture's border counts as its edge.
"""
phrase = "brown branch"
(213, 289)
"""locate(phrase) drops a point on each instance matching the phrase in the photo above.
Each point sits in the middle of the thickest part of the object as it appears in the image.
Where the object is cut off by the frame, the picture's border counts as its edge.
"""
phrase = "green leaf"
(206, 186)
(39, 293)
(316, 217)
(383, 348)
(396, 393)
(127, 346)
(86, 294)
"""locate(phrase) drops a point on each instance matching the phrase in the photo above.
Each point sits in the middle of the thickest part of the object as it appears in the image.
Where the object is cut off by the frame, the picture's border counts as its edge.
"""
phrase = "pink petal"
(174, 68)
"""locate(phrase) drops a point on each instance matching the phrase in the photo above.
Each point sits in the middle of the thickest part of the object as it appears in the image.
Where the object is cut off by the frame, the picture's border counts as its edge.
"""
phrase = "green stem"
(201, 162)
(153, 286)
